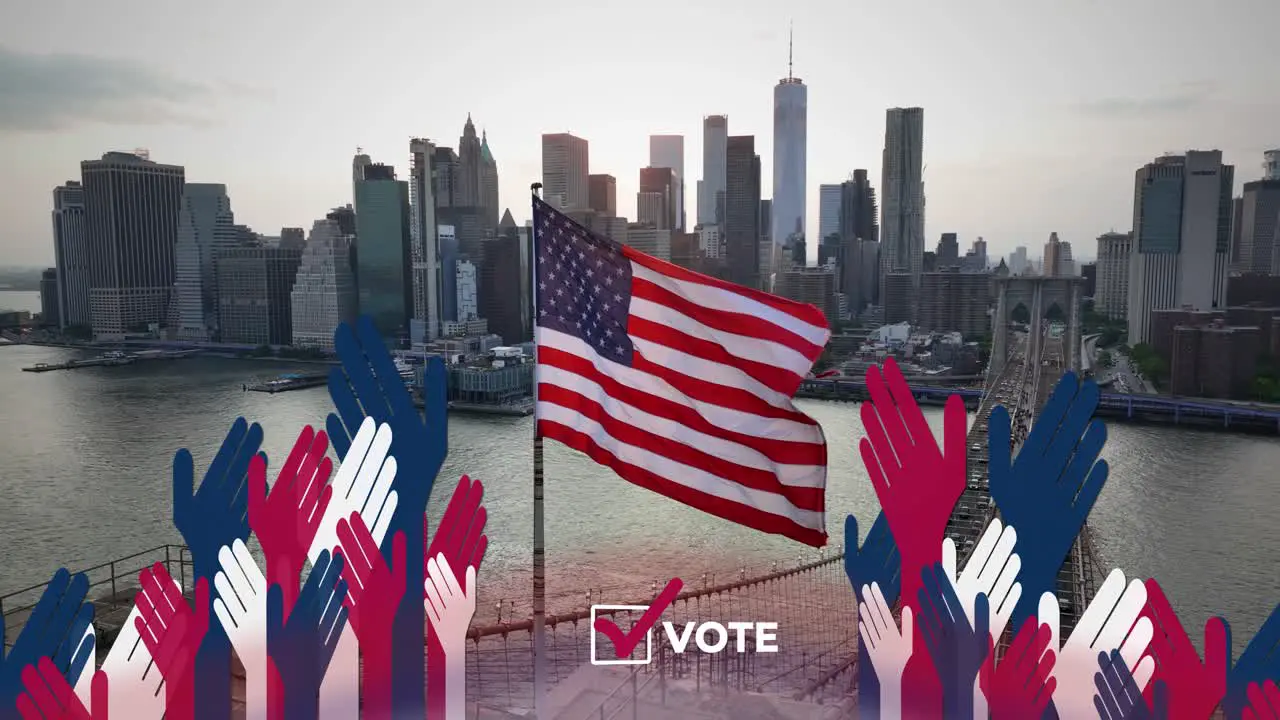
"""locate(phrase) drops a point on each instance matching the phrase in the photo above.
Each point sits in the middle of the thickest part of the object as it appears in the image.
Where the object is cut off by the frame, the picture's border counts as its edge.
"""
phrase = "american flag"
(680, 383)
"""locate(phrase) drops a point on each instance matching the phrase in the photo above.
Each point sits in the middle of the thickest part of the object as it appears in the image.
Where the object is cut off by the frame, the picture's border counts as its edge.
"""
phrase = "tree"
(1105, 360)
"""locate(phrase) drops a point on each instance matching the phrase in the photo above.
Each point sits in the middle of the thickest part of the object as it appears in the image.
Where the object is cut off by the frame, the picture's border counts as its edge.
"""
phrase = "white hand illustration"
(991, 570)
(888, 647)
(450, 610)
(362, 484)
(137, 688)
(84, 686)
(241, 607)
(1111, 621)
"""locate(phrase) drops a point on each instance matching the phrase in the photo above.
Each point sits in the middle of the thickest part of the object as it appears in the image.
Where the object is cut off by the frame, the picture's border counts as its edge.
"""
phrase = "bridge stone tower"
(1038, 295)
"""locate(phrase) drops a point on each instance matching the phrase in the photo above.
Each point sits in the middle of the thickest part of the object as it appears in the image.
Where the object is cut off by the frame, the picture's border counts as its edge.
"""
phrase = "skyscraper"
(902, 195)
(664, 182)
(790, 109)
(565, 165)
(859, 224)
(425, 253)
(205, 226)
(477, 175)
(489, 183)
(71, 254)
(1111, 298)
(603, 194)
(742, 211)
(828, 211)
(384, 271)
(711, 189)
(131, 206)
(667, 151)
(255, 294)
(324, 287)
(1052, 257)
(1260, 227)
(948, 251)
(1182, 236)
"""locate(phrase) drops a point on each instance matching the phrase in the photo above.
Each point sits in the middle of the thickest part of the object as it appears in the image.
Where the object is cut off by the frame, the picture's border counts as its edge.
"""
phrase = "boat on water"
(407, 371)
(115, 357)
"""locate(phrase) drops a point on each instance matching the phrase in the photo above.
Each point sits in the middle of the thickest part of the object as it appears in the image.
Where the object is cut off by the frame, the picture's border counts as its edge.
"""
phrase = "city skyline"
(259, 125)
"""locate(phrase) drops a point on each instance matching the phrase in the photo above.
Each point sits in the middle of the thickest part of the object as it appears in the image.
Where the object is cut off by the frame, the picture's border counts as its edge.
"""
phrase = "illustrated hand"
(450, 604)
(217, 513)
(49, 696)
(1021, 685)
(918, 485)
(241, 609)
(887, 647)
(362, 485)
(375, 591)
(1195, 688)
(1264, 702)
(1048, 491)
(136, 682)
(991, 570)
(1112, 621)
(369, 385)
(54, 629)
(213, 516)
(461, 539)
(1259, 663)
(301, 646)
(1118, 696)
(877, 562)
(958, 649)
(286, 519)
(172, 632)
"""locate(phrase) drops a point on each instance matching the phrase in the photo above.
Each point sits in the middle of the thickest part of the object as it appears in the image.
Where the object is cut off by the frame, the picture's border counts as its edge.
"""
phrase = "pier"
(293, 381)
(112, 359)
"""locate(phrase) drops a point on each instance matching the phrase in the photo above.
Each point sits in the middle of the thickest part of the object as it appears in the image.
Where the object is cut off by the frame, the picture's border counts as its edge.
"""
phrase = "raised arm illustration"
(451, 603)
(55, 629)
(369, 385)
(918, 484)
(876, 562)
(1112, 621)
(49, 696)
(1259, 663)
(210, 517)
(361, 485)
(1264, 702)
(375, 591)
(888, 647)
(241, 610)
(1195, 687)
(301, 645)
(174, 633)
(1021, 685)
(957, 647)
(1049, 490)
(1118, 696)
(460, 538)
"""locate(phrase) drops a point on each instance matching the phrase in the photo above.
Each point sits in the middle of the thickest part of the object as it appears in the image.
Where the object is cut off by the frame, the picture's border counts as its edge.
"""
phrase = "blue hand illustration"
(877, 561)
(302, 645)
(214, 515)
(1118, 696)
(54, 629)
(368, 384)
(958, 649)
(1037, 493)
(1259, 662)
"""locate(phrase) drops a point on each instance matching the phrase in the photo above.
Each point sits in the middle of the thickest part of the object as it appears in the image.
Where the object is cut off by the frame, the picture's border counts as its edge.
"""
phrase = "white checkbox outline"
(648, 652)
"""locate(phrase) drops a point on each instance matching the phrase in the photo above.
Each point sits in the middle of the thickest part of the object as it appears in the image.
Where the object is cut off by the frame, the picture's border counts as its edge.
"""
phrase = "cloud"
(1186, 96)
(40, 93)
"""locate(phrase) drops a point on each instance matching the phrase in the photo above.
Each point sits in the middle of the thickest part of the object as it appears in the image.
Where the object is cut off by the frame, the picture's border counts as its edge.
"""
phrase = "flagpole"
(539, 534)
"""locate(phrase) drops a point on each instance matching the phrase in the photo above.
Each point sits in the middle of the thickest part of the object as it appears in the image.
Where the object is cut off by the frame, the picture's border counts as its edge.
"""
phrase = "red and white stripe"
(704, 413)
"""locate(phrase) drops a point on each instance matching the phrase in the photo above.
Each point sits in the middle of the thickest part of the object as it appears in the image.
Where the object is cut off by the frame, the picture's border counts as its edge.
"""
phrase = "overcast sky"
(1036, 114)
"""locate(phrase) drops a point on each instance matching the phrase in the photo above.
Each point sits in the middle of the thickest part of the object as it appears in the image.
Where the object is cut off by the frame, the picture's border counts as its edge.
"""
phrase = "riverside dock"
(112, 359)
(292, 381)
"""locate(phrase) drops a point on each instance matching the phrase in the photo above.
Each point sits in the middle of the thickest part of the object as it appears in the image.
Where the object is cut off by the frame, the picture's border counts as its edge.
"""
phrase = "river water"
(86, 457)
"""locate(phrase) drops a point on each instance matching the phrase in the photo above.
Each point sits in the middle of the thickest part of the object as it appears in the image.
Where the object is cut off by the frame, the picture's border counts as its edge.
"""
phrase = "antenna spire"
(790, 44)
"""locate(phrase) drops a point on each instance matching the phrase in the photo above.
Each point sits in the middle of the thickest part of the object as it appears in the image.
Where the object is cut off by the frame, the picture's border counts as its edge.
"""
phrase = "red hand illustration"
(1264, 702)
(1021, 686)
(462, 540)
(172, 632)
(50, 697)
(286, 520)
(918, 486)
(374, 592)
(1195, 688)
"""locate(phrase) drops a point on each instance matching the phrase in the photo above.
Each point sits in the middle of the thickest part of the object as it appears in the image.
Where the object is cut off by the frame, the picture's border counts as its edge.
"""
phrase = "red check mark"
(625, 643)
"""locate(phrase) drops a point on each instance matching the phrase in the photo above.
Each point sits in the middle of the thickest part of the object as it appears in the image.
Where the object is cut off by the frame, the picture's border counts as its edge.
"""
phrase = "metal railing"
(108, 583)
